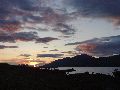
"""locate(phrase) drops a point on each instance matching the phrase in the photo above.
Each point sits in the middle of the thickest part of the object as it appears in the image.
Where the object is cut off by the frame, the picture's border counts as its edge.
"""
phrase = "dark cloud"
(65, 36)
(4, 47)
(11, 26)
(7, 38)
(72, 43)
(25, 55)
(16, 14)
(22, 4)
(37, 29)
(45, 47)
(50, 55)
(50, 16)
(45, 39)
(20, 36)
(64, 29)
(54, 50)
(57, 20)
(105, 46)
(96, 8)
(25, 36)
(12, 12)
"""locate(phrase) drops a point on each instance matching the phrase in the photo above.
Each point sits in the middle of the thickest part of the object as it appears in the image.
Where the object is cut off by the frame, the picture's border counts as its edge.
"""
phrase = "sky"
(41, 31)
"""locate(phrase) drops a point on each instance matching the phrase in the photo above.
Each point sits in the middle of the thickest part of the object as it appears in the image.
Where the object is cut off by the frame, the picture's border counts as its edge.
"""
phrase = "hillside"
(86, 61)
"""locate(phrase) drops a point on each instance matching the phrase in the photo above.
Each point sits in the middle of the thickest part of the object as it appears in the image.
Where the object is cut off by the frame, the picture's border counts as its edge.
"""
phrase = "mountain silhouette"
(86, 61)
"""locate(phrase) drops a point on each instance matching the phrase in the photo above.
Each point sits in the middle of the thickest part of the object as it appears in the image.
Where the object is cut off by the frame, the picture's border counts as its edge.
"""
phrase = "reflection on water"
(103, 70)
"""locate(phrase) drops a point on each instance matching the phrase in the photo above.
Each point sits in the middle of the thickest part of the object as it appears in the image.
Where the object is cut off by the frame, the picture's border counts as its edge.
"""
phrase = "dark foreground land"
(29, 78)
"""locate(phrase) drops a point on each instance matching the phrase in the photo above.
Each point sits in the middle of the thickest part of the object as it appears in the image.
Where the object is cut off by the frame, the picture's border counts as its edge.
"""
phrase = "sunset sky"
(40, 31)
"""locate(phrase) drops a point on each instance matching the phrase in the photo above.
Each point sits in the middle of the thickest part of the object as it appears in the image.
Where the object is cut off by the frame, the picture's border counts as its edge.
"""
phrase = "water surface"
(103, 70)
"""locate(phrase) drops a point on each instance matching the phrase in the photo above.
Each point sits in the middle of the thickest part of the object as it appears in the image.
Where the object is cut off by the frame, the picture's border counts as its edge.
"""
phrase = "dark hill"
(86, 61)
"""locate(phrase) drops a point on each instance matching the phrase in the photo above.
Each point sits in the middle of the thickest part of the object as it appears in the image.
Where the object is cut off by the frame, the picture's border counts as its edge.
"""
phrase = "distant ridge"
(86, 61)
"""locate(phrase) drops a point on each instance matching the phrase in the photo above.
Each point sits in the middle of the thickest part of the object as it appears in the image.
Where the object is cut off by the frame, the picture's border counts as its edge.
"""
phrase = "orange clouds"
(86, 47)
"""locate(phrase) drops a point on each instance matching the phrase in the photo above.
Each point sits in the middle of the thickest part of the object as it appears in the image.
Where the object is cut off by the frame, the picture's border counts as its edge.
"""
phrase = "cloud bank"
(96, 8)
(4, 46)
(24, 37)
(50, 55)
(15, 14)
(105, 46)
